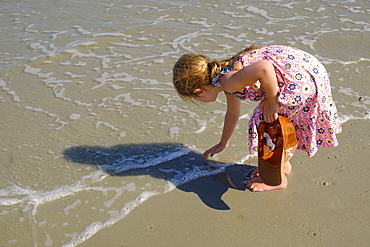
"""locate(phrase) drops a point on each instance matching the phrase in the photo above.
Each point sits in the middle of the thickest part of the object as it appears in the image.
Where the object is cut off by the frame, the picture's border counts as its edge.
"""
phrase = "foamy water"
(91, 125)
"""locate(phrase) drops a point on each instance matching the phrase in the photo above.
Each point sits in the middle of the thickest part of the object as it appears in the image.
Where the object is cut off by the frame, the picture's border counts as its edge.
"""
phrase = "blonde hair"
(195, 71)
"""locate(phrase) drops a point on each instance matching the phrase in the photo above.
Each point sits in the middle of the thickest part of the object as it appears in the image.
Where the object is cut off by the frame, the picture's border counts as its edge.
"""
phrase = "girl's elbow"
(233, 113)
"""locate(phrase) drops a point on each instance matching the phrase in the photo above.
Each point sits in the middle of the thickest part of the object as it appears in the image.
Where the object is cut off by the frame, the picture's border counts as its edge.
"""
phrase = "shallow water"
(91, 124)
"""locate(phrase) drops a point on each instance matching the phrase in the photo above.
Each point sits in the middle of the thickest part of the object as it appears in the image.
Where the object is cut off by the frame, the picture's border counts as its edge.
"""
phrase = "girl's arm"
(230, 122)
(262, 71)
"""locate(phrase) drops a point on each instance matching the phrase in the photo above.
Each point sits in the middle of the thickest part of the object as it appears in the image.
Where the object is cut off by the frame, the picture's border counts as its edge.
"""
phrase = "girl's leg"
(288, 155)
(287, 166)
(255, 184)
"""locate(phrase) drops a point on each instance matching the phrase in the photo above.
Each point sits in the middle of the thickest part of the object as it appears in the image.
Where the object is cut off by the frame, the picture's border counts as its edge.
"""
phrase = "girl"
(286, 81)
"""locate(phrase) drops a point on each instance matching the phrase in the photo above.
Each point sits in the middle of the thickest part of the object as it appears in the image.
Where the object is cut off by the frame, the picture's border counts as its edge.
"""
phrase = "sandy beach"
(326, 204)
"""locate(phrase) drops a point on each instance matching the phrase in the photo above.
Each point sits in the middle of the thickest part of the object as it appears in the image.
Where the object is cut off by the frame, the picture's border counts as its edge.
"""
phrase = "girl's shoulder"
(236, 64)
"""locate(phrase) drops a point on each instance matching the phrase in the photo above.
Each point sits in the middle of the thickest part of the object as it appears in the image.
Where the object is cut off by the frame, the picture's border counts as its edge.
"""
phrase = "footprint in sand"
(312, 231)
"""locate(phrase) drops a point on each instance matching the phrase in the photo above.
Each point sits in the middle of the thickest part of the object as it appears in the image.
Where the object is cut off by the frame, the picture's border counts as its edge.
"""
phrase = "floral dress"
(304, 96)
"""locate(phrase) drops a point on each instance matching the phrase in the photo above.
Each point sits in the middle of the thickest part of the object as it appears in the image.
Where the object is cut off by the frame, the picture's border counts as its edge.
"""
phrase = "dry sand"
(326, 204)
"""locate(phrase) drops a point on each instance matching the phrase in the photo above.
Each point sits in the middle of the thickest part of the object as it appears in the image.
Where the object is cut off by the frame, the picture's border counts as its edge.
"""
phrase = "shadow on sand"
(159, 161)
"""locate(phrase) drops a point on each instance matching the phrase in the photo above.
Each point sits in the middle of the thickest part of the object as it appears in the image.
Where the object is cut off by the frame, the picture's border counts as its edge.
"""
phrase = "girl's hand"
(270, 108)
(214, 150)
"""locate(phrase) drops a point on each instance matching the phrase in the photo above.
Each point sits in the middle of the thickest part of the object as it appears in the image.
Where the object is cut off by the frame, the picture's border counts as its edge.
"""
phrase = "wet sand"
(326, 204)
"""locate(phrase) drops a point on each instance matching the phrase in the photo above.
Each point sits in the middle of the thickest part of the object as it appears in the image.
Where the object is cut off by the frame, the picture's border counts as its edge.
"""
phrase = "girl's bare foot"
(256, 185)
(287, 169)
